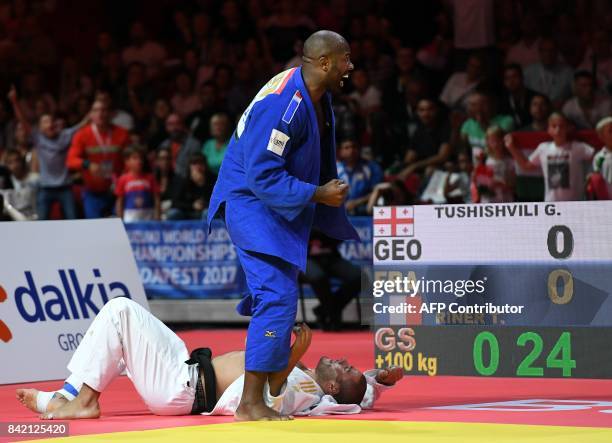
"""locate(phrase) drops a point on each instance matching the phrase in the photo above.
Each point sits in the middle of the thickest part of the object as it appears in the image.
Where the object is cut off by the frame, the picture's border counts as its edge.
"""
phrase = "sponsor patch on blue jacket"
(293, 107)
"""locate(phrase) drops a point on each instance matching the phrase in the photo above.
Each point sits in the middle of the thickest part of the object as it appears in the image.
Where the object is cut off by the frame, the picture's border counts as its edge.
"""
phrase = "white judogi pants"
(124, 335)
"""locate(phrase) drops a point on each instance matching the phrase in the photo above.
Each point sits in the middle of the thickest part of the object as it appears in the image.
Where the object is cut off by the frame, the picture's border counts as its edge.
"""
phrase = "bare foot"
(258, 412)
(74, 410)
(28, 398)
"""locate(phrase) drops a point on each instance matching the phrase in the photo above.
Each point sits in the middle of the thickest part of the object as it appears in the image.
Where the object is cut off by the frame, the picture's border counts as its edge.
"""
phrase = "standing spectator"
(184, 101)
(586, 107)
(138, 194)
(361, 176)
(118, 116)
(561, 161)
(96, 152)
(366, 95)
(324, 263)
(20, 199)
(598, 61)
(461, 84)
(494, 177)
(164, 176)
(192, 194)
(602, 162)
(515, 98)
(481, 115)
(215, 147)
(32, 94)
(156, 131)
(51, 146)
(135, 96)
(180, 144)
(549, 76)
(142, 50)
(525, 51)
(539, 110)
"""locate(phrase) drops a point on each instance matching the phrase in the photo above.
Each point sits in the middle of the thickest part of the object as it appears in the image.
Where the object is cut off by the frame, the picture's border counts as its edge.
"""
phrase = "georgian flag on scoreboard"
(393, 221)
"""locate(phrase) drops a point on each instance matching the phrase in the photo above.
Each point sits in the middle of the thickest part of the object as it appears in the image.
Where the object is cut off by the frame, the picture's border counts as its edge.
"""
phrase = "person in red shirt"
(96, 151)
(137, 192)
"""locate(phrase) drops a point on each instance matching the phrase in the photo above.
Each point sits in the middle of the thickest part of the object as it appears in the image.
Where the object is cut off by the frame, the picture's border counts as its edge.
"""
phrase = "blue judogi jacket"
(272, 167)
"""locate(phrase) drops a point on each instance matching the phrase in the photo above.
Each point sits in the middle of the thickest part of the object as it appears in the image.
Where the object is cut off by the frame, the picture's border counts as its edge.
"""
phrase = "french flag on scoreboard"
(394, 221)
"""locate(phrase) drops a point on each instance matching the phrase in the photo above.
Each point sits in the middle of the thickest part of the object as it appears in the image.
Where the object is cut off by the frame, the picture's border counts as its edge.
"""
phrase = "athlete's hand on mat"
(331, 193)
(303, 337)
(390, 375)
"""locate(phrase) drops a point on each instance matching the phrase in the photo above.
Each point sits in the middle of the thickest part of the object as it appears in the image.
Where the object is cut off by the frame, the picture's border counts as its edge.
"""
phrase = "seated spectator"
(461, 84)
(361, 176)
(391, 193)
(135, 96)
(214, 148)
(598, 61)
(549, 76)
(138, 194)
(435, 55)
(561, 161)
(539, 110)
(184, 101)
(480, 111)
(199, 121)
(20, 199)
(457, 182)
(515, 98)
(493, 177)
(525, 51)
(244, 89)
(431, 140)
(118, 116)
(143, 50)
(156, 131)
(602, 162)
(33, 96)
(164, 176)
(96, 152)
(366, 95)
(51, 146)
(324, 263)
(192, 194)
(586, 107)
(180, 143)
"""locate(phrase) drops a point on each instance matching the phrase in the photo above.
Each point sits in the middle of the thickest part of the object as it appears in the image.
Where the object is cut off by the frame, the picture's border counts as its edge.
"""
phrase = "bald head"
(323, 43)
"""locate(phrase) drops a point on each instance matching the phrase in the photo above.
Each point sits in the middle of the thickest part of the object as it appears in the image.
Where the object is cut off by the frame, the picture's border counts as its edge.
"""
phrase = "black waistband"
(206, 393)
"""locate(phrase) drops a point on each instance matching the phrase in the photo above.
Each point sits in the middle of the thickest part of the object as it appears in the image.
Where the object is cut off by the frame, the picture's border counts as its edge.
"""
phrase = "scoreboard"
(519, 289)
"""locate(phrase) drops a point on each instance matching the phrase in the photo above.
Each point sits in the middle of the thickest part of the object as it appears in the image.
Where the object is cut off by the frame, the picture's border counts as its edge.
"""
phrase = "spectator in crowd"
(184, 101)
(324, 263)
(244, 89)
(598, 61)
(562, 161)
(586, 107)
(199, 121)
(436, 55)
(135, 96)
(156, 131)
(51, 146)
(214, 148)
(118, 116)
(20, 199)
(391, 193)
(164, 176)
(515, 98)
(192, 194)
(431, 140)
(5, 179)
(457, 183)
(549, 76)
(366, 95)
(224, 82)
(180, 143)
(33, 99)
(96, 153)
(480, 111)
(361, 176)
(138, 194)
(143, 50)
(525, 51)
(601, 179)
(539, 110)
(493, 177)
(461, 84)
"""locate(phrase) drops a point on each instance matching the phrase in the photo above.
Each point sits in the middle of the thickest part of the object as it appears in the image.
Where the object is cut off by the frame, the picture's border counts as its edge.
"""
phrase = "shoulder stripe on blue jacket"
(293, 107)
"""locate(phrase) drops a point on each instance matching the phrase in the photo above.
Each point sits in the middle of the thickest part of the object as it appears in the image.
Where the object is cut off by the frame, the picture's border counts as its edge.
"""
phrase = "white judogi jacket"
(300, 395)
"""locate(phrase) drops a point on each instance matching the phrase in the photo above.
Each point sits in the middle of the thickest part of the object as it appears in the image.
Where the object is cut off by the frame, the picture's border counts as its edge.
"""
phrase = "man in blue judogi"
(277, 180)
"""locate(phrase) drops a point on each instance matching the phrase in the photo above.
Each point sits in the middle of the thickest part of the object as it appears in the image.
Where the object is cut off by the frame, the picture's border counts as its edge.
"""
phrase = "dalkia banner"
(55, 277)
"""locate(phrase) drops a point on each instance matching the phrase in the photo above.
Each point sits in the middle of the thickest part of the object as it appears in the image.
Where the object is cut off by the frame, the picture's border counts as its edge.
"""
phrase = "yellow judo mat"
(356, 431)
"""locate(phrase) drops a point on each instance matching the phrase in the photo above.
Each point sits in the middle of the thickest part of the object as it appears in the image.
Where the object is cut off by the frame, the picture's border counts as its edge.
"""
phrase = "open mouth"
(345, 76)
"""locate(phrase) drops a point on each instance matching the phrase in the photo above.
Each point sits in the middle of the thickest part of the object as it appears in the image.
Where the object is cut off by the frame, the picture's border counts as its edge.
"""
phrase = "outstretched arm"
(518, 155)
(303, 337)
(14, 99)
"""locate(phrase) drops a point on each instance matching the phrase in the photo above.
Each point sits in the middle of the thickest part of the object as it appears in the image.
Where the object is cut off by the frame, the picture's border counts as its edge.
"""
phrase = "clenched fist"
(331, 193)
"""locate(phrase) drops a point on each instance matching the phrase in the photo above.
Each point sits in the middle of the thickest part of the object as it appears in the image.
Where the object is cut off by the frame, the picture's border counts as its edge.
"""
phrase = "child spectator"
(561, 160)
(493, 177)
(361, 176)
(215, 147)
(138, 194)
(586, 107)
(20, 200)
(192, 194)
(539, 110)
(602, 162)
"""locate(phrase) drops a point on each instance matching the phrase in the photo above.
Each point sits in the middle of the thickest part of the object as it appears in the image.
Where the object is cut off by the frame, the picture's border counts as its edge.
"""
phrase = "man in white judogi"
(125, 336)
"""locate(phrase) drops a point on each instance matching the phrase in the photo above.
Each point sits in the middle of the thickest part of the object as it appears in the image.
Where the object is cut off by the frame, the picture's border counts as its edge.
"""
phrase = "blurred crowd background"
(126, 108)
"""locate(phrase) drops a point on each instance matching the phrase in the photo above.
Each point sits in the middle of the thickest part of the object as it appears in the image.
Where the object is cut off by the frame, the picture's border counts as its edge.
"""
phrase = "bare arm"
(518, 155)
(443, 154)
(14, 99)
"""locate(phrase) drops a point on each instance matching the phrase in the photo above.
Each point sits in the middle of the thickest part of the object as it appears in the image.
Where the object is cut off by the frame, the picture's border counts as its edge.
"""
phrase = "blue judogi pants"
(272, 304)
